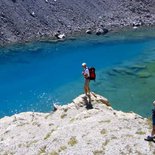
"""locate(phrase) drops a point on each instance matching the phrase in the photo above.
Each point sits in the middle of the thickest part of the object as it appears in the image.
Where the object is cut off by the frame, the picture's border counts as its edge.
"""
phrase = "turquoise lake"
(35, 75)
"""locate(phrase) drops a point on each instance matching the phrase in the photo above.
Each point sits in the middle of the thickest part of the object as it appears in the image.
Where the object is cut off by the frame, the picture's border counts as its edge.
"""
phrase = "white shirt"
(86, 71)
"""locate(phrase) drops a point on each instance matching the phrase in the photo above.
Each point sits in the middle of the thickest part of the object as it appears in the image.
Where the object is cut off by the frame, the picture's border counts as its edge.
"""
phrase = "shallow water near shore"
(36, 75)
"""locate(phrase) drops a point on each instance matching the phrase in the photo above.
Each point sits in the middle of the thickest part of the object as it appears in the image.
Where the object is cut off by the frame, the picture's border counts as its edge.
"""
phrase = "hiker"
(152, 137)
(87, 80)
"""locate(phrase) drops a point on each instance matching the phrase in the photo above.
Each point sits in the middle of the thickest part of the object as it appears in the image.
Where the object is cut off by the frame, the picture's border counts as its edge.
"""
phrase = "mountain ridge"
(35, 19)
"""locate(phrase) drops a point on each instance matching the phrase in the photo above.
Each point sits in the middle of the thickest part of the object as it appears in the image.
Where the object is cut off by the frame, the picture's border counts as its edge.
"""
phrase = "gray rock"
(28, 17)
(72, 129)
(137, 24)
(32, 14)
(59, 35)
(89, 31)
(100, 31)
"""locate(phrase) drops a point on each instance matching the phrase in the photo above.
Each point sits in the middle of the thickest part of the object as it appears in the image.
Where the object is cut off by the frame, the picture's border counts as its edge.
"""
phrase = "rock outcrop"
(25, 20)
(75, 129)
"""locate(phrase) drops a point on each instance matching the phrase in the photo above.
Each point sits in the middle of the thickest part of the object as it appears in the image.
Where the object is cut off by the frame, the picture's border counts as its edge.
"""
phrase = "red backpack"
(92, 74)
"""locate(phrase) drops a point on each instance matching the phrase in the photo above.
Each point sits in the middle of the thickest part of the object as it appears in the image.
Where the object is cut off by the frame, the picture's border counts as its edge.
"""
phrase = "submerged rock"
(143, 74)
(72, 129)
(138, 67)
(123, 71)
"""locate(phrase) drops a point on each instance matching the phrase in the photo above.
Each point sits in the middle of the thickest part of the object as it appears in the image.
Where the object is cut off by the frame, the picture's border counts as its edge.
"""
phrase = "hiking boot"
(89, 106)
(149, 138)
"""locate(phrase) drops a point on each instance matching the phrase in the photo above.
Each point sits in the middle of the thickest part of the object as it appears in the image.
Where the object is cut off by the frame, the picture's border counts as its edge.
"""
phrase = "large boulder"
(74, 129)
(100, 31)
(59, 35)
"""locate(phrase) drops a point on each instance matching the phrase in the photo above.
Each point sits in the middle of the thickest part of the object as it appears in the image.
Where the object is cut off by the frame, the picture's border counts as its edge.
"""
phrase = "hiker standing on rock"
(152, 137)
(86, 77)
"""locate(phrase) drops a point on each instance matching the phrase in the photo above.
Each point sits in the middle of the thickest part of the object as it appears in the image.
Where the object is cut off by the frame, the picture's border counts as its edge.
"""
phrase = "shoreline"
(24, 21)
(77, 34)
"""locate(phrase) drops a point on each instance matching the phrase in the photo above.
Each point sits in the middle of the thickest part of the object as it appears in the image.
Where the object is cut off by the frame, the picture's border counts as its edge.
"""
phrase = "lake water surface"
(34, 76)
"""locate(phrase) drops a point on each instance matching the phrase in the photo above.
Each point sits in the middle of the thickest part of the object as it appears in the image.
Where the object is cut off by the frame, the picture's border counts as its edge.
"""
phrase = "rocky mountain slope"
(24, 20)
(76, 129)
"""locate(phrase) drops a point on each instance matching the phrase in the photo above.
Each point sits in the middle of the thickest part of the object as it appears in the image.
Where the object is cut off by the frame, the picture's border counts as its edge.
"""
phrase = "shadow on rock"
(87, 101)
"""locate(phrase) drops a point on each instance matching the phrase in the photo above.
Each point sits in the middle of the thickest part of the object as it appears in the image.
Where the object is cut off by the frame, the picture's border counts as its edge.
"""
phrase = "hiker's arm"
(86, 75)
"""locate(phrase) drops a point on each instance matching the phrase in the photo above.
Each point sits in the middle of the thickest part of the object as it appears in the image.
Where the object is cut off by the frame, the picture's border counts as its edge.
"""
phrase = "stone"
(32, 14)
(143, 74)
(89, 31)
(100, 31)
(136, 24)
(70, 130)
(105, 30)
(59, 35)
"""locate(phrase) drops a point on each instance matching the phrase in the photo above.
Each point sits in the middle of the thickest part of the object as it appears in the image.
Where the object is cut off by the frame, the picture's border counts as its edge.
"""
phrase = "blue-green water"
(36, 75)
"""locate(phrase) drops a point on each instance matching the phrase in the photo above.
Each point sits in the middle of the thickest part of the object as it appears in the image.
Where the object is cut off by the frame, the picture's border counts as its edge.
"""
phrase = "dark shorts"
(153, 116)
(153, 119)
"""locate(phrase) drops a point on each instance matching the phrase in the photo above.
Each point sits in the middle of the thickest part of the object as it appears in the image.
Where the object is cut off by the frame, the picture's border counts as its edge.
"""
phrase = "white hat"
(84, 64)
(154, 103)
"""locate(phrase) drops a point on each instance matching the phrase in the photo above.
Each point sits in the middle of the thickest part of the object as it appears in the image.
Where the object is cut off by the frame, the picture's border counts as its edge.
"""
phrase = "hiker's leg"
(85, 89)
(87, 92)
(88, 89)
(153, 126)
(153, 131)
(87, 86)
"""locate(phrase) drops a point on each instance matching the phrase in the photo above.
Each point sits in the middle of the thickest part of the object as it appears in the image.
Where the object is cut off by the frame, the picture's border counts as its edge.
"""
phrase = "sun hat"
(83, 64)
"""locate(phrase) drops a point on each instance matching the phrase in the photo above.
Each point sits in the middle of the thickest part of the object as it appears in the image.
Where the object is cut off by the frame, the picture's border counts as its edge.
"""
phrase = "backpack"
(92, 74)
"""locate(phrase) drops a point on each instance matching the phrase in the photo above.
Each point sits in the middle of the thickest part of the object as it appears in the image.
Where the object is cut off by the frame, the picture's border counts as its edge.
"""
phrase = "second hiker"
(152, 137)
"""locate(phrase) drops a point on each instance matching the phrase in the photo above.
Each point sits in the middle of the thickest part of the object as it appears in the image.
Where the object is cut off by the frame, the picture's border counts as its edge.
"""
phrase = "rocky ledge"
(76, 129)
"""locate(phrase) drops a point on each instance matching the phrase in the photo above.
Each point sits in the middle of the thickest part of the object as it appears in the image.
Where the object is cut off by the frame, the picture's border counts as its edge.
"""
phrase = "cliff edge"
(75, 129)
